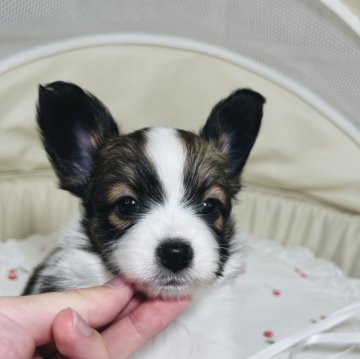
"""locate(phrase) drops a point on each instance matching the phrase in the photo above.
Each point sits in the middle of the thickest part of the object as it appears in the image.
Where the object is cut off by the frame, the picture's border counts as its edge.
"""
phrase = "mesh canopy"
(301, 44)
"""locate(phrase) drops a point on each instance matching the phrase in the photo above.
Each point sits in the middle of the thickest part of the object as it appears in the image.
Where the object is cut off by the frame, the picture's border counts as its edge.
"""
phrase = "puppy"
(156, 210)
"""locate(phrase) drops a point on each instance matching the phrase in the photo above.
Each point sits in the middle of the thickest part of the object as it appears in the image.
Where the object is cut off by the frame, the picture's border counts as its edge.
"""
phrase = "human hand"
(43, 324)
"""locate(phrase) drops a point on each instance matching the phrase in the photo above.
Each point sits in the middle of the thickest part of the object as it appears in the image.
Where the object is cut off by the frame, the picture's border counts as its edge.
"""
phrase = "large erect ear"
(233, 126)
(73, 124)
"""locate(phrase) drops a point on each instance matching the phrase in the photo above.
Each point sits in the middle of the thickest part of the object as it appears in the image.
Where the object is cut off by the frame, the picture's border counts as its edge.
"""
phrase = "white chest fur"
(206, 330)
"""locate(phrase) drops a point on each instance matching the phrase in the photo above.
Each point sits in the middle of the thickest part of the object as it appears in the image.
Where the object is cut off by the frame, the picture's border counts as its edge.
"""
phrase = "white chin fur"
(155, 291)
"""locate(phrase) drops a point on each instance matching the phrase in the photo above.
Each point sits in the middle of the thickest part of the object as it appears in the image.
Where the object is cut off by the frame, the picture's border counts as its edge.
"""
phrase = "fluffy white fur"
(206, 329)
(74, 267)
(168, 154)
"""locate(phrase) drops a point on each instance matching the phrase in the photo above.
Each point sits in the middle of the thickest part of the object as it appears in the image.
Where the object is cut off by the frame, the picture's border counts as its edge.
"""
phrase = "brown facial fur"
(205, 178)
(117, 221)
(118, 190)
(217, 193)
(204, 169)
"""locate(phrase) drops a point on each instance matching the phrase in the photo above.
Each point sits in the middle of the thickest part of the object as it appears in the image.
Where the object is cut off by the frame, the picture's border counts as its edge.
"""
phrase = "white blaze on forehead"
(167, 152)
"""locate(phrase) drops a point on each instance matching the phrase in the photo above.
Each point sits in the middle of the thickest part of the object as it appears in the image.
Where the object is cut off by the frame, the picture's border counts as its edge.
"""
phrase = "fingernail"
(116, 282)
(80, 325)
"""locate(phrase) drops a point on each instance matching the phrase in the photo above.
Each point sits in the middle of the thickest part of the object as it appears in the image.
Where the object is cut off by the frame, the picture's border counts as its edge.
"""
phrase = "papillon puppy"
(156, 210)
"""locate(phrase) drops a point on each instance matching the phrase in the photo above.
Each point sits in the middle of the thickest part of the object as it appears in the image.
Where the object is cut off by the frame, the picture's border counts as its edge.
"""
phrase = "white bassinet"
(167, 62)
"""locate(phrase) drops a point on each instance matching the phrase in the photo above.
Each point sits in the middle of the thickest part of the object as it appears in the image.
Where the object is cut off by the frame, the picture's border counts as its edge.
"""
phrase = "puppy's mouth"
(173, 283)
(171, 287)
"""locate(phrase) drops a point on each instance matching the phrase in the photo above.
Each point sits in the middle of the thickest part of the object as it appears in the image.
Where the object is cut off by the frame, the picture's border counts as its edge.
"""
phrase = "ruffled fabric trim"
(293, 220)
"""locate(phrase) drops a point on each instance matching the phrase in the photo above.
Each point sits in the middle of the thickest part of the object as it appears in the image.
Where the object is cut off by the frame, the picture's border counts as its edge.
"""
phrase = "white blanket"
(281, 291)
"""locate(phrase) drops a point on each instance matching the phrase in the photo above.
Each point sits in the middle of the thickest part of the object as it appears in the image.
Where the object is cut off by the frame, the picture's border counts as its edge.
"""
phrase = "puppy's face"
(157, 201)
(158, 210)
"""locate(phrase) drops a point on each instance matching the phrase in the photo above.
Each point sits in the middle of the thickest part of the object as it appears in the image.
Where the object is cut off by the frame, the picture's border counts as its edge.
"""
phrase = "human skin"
(68, 324)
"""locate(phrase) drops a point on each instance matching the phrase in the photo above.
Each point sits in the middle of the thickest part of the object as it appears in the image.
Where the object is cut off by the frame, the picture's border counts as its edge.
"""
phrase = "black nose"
(175, 255)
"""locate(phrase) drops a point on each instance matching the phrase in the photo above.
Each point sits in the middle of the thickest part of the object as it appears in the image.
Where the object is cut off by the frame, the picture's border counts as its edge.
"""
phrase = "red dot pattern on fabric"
(276, 292)
(268, 334)
(301, 272)
(12, 274)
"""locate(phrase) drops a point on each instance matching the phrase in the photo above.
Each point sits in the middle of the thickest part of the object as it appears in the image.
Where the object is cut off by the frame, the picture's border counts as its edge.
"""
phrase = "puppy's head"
(157, 201)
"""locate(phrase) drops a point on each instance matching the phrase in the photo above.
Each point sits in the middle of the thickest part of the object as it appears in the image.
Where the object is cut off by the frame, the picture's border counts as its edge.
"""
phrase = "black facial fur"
(122, 161)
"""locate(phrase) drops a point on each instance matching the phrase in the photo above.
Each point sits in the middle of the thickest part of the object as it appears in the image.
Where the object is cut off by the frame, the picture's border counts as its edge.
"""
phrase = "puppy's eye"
(127, 206)
(210, 207)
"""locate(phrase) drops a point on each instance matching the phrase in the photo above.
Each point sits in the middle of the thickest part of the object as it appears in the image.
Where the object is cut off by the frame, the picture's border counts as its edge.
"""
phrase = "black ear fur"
(73, 125)
(233, 126)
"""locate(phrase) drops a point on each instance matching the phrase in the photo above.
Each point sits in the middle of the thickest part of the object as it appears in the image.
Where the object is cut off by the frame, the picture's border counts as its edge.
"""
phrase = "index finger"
(97, 305)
